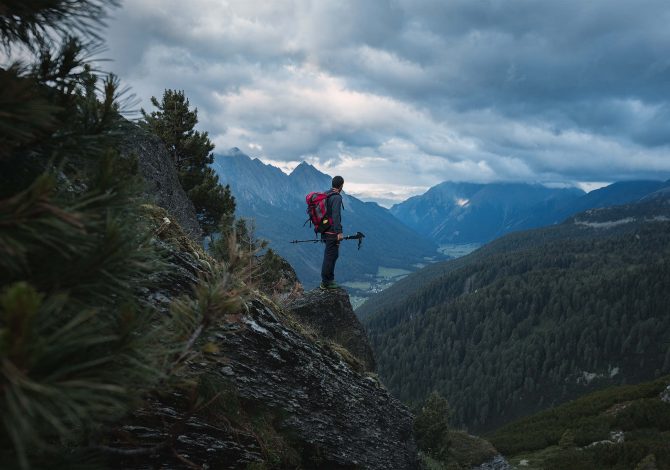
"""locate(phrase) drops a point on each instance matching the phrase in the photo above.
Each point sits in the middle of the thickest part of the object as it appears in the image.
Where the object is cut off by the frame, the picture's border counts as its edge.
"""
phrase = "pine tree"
(77, 346)
(431, 427)
(174, 122)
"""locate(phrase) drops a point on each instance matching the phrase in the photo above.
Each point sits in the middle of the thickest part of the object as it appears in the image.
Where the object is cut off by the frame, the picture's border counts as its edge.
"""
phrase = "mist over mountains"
(276, 203)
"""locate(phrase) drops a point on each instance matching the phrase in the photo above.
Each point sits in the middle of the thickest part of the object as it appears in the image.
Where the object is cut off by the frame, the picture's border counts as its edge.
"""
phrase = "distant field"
(360, 285)
(456, 251)
(389, 273)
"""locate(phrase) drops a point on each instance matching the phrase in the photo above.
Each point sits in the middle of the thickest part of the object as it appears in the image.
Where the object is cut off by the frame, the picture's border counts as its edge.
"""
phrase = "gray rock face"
(330, 313)
(160, 174)
(347, 419)
(338, 417)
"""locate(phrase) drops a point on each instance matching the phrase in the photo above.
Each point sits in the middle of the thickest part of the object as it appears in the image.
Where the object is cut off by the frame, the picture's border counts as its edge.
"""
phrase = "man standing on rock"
(333, 235)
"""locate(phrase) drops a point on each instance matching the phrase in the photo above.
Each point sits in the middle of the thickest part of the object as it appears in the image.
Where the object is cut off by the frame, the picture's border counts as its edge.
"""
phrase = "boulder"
(330, 314)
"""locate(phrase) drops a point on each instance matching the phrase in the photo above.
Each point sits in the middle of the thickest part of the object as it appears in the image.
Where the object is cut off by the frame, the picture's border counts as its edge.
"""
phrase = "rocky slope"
(279, 388)
(301, 388)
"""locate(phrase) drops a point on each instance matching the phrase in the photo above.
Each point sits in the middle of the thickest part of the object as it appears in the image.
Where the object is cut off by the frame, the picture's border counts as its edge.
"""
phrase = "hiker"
(333, 235)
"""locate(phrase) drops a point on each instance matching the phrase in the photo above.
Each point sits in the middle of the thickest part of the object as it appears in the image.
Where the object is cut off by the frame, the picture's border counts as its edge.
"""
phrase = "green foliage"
(235, 236)
(567, 440)
(431, 427)
(635, 409)
(174, 123)
(469, 451)
(647, 463)
(73, 340)
(55, 109)
(646, 413)
(80, 346)
(35, 22)
(275, 273)
(268, 272)
(596, 410)
(512, 328)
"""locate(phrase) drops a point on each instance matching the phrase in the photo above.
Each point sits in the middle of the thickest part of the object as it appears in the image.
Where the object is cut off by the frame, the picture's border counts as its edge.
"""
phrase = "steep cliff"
(276, 388)
(284, 387)
(331, 315)
(286, 399)
(160, 175)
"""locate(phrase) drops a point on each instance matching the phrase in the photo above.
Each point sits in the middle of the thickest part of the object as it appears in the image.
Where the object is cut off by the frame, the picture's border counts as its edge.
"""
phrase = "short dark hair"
(338, 181)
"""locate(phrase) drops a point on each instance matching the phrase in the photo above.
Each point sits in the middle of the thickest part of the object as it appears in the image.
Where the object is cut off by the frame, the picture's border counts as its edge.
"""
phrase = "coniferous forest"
(535, 318)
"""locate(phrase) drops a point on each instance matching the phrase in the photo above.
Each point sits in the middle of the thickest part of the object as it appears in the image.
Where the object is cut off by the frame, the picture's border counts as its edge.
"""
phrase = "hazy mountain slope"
(615, 194)
(467, 212)
(535, 318)
(462, 213)
(276, 202)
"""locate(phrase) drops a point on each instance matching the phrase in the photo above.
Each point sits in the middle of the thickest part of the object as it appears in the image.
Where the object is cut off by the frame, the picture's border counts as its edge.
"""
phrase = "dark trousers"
(330, 255)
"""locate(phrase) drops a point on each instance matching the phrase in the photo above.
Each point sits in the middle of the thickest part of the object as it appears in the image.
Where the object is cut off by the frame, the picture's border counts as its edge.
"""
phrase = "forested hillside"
(534, 318)
(617, 428)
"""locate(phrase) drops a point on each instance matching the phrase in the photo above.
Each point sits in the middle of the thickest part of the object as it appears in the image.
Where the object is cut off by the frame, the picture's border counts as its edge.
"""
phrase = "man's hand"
(340, 236)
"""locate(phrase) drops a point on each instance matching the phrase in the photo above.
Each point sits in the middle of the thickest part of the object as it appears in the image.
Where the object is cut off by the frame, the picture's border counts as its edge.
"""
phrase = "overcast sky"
(399, 95)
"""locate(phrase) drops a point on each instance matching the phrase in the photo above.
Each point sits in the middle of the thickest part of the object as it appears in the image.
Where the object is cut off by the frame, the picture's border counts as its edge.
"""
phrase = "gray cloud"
(416, 92)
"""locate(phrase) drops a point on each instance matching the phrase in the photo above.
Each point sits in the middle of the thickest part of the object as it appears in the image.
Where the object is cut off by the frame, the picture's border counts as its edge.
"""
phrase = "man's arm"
(336, 215)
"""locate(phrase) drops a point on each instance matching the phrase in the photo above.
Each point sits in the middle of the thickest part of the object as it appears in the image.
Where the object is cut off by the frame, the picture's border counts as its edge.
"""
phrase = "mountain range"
(276, 203)
(533, 318)
(463, 213)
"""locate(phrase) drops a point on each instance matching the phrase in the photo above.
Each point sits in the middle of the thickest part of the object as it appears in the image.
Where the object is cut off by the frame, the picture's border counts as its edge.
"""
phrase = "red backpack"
(316, 210)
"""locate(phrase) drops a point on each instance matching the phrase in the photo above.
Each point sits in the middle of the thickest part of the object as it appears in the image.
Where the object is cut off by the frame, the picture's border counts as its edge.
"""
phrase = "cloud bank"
(400, 95)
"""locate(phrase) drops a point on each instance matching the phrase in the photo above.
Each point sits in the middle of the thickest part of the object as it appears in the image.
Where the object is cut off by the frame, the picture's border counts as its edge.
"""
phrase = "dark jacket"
(334, 211)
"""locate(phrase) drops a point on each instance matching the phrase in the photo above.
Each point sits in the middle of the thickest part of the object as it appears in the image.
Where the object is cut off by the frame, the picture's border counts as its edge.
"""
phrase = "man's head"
(338, 182)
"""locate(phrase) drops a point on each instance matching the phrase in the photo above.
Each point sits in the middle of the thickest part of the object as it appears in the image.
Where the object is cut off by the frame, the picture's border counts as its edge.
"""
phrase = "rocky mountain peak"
(308, 177)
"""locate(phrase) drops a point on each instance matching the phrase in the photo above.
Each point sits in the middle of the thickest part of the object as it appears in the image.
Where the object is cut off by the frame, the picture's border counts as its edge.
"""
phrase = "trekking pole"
(359, 236)
(317, 240)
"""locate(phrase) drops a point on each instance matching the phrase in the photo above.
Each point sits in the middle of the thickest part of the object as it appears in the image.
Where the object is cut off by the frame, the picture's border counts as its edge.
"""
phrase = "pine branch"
(37, 22)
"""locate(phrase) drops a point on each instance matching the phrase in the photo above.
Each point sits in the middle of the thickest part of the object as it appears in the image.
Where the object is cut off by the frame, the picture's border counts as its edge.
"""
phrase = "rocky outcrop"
(271, 388)
(665, 395)
(162, 185)
(345, 417)
(330, 314)
(331, 415)
(278, 279)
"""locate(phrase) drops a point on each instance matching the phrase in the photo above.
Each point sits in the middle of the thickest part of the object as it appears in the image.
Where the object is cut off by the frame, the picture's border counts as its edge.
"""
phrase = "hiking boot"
(329, 285)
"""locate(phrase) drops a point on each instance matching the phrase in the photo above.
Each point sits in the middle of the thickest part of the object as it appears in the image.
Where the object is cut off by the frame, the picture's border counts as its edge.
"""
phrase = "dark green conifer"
(78, 346)
(174, 122)
(431, 427)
